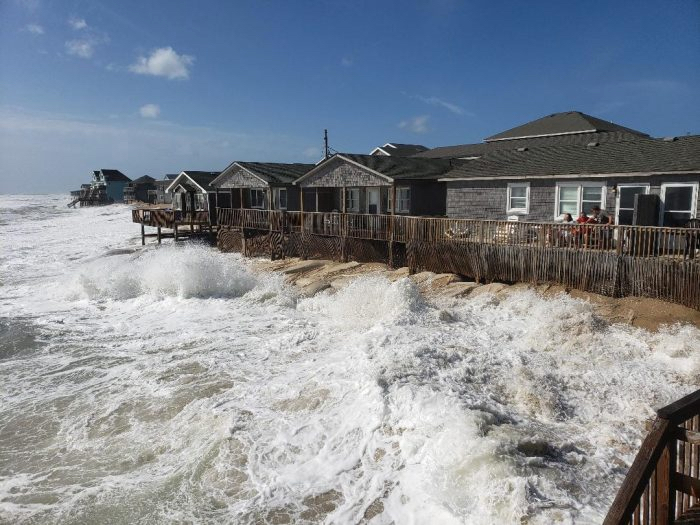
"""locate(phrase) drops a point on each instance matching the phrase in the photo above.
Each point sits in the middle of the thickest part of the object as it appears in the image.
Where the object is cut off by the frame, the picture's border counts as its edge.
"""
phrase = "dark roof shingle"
(402, 167)
(640, 156)
(570, 122)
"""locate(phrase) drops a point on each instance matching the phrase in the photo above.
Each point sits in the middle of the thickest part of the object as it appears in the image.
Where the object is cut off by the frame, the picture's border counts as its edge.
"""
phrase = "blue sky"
(158, 87)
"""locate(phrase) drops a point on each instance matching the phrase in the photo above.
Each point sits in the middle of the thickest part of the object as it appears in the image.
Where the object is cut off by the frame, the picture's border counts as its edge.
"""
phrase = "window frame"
(200, 202)
(693, 203)
(277, 198)
(618, 194)
(580, 185)
(518, 211)
(400, 199)
(348, 198)
(257, 191)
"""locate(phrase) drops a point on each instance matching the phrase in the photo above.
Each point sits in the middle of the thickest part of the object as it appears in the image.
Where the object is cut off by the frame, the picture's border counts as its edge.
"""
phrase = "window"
(573, 198)
(403, 200)
(199, 201)
(352, 200)
(625, 201)
(280, 198)
(518, 198)
(679, 203)
(257, 198)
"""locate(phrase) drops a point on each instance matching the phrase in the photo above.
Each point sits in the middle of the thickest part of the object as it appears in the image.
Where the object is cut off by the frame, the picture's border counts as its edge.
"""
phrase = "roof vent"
(670, 139)
(592, 144)
(521, 149)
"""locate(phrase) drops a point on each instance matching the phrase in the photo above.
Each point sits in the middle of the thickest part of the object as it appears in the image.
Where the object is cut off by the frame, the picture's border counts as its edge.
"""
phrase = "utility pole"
(326, 151)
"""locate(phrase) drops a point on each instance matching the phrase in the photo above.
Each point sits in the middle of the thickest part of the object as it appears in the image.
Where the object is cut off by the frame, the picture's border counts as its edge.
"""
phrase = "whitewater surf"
(174, 383)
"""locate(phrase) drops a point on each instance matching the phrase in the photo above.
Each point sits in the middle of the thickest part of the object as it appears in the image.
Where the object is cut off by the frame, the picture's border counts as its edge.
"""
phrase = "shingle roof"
(114, 176)
(639, 156)
(402, 167)
(401, 150)
(145, 179)
(276, 172)
(203, 178)
(561, 123)
(484, 148)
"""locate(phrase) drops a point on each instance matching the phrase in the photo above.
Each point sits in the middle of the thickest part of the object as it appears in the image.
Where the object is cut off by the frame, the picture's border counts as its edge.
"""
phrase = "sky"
(161, 87)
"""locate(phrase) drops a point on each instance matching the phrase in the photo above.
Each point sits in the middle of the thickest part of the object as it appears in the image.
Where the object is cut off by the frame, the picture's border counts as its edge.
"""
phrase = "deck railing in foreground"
(618, 261)
(638, 241)
(662, 486)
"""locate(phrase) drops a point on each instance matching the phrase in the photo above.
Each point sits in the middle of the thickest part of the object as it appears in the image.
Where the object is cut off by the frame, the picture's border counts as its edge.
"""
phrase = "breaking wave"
(178, 384)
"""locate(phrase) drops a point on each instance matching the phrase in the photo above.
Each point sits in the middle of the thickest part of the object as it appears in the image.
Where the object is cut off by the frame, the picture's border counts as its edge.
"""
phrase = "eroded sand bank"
(313, 276)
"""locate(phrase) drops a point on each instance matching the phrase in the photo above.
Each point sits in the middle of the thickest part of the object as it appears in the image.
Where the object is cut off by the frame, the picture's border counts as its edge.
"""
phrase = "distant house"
(192, 191)
(261, 185)
(571, 162)
(111, 182)
(158, 195)
(392, 149)
(353, 183)
(139, 190)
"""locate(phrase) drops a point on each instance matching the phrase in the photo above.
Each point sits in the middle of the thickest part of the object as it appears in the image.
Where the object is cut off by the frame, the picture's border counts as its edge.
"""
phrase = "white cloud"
(150, 111)
(164, 62)
(435, 101)
(415, 124)
(77, 23)
(83, 48)
(34, 29)
(347, 62)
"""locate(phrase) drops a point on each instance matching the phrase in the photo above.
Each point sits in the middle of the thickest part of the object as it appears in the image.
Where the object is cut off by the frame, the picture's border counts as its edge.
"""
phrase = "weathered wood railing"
(638, 241)
(167, 218)
(662, 486)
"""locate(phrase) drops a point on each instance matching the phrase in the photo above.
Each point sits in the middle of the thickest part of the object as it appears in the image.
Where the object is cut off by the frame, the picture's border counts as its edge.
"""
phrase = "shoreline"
(314, 276)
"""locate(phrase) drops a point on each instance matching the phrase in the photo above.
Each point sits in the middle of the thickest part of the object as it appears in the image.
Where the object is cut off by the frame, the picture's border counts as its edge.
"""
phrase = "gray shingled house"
(353, 183)
(192, 191)
(139, 190)
(259, 185)
(569, 162)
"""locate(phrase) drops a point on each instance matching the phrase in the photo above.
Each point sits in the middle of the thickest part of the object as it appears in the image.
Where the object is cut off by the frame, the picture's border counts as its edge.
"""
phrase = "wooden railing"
(167, 218)
(662, 486)
(638, 241)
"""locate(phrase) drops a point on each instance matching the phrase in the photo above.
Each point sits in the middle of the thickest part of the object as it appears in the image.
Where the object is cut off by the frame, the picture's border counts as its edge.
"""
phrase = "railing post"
(665, 491)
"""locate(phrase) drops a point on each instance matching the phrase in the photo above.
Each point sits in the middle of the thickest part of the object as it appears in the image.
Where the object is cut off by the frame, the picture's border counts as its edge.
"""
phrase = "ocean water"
(174, 384)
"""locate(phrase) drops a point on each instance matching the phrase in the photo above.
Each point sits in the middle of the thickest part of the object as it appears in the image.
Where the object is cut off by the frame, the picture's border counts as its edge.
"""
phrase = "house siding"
(488, 199)
(340, 173)
(240, 178)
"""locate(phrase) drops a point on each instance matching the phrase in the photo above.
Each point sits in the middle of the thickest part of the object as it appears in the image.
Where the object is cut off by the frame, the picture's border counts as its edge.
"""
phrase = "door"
(678, 203)
(625, 201)
(373, 198)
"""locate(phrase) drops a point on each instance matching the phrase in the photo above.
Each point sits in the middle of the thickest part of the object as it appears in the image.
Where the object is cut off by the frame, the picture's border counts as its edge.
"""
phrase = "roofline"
(575, 175)
(380, 148)
(339, 156)
(176, 179)
(238, 163)
(489, 139)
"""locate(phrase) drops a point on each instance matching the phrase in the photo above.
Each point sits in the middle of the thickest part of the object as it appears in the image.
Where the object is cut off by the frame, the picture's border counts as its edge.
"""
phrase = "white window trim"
(644, 185)
(580, 186)
(260, 206)
(355, 209)
(398, 199)
(276, 192)
(519, 211)
(693, 203)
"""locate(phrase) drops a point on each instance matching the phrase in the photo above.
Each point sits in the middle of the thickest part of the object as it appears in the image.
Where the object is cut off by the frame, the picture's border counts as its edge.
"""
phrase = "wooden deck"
(179, 224)
(662, 263)
(662, 486)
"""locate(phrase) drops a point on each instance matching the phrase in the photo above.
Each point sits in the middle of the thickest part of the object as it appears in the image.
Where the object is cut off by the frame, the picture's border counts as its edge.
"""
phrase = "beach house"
(568, 163)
